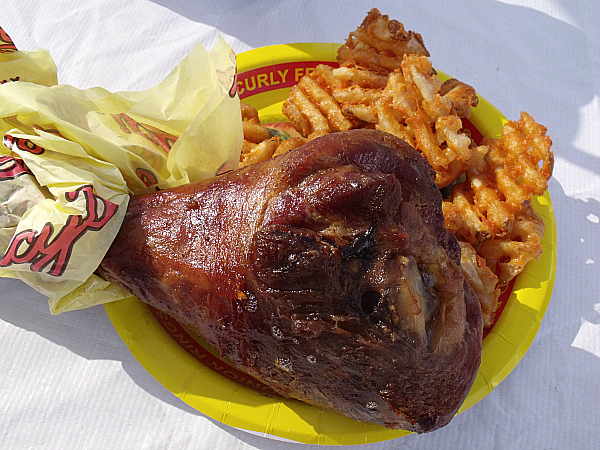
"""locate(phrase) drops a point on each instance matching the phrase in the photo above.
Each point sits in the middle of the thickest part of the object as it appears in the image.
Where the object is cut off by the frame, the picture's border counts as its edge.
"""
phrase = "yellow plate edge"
(284, 416)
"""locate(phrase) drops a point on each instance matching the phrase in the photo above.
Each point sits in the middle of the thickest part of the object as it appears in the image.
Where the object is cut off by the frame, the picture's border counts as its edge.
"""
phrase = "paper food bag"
(71, 158)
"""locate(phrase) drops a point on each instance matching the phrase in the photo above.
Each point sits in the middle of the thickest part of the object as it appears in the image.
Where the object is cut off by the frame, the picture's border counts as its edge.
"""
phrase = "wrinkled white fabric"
(68, 381)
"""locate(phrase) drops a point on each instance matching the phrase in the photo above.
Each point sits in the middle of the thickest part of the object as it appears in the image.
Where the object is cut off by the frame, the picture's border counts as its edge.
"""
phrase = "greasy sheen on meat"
(326, 273)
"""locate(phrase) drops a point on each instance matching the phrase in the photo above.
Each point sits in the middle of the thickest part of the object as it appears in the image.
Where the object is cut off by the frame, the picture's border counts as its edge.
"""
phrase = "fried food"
(482, 280)
(326, 273)
(261, 142)
(521, 160)
(410, 102)
(254, 153)
(387, 82)
(511, 253)
(491, 209)
(253, 131)
(379, 43)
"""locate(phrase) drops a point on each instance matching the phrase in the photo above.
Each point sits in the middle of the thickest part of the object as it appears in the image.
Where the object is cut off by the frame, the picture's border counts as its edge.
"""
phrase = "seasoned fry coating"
(482, 280)
(254, 132)
(293, 113)
(521, 160)
(517, 166)
(288, 144)
(259, 145)
(259, 152)
(379, 43)
(462, 95)
(317, 124)
(387, 122)
(355, 76)
(406, 102)
(249, 113)
(386, 81)
(512, 252)
(491, 209)
(328, 107)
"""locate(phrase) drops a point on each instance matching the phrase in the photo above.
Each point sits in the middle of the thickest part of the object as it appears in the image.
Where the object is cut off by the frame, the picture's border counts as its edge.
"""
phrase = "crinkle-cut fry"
(459, 148)
(445, 176)
(501, 192)
(343, 77)
(366, 57)
(326, 104)
(387, 122)
(449, 130)
(483, 281)
(521, 160)
(325, 101)
(259, 152)
(479, 212)
(404, 97)
(293, 113)
(462, 95)
(418, 70)
(426, 140)
(325, 75)
(379, 42)
(356, 94)
(305, 116)
(363, 113)
(354, 76)
(317, 122)
(512, 252)
(490, 204)
(471, 225)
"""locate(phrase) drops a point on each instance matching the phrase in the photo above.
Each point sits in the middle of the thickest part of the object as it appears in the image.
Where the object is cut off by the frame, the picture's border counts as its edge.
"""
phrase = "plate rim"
(243, 408)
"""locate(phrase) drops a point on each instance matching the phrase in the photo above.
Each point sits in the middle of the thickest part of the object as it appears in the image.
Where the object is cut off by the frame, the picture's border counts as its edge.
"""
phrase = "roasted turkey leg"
(326, 273)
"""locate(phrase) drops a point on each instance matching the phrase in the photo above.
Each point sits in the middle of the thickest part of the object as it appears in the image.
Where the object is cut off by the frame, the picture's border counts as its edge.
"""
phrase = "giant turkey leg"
(326, 273)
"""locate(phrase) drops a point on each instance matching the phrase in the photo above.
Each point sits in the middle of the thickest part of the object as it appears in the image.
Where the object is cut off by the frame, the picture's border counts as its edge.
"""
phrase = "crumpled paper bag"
(71, 158)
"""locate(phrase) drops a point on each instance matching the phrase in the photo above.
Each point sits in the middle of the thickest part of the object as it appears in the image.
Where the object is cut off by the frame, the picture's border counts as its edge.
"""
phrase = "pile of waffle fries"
(386, 81)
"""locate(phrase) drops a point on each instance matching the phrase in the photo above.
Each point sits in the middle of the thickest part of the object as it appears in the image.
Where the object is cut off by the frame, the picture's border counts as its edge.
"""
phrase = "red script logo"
(33, 247)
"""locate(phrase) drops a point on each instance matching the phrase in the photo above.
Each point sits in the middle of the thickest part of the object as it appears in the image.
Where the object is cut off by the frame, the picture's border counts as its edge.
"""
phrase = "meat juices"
(326, 273)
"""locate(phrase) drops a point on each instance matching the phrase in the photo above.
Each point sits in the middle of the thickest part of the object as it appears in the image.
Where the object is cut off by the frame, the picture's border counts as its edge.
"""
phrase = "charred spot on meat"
(326, 273)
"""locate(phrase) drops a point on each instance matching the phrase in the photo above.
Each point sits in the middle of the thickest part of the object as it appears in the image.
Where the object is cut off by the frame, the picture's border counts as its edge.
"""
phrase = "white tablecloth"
(68, 381)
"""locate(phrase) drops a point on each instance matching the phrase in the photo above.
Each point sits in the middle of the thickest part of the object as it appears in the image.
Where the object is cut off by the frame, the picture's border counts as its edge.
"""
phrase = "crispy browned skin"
(326, 273)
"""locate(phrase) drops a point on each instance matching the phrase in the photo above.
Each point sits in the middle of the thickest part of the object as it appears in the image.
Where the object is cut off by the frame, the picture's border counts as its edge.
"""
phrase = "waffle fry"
(305, 115)
(409, 105)
(329, 108)
(354, 76)
(516, 167)
(511, 253)
(386, 81)
(483, 281)
(379, 43)
(521, 160)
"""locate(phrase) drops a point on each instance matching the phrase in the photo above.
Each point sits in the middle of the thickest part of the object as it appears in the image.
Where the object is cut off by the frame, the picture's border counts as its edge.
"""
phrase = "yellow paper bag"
(71, 158)
(35, 67)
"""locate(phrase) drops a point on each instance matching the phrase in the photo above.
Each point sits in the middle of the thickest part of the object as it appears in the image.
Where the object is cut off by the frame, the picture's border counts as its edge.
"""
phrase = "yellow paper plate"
(188, 368)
